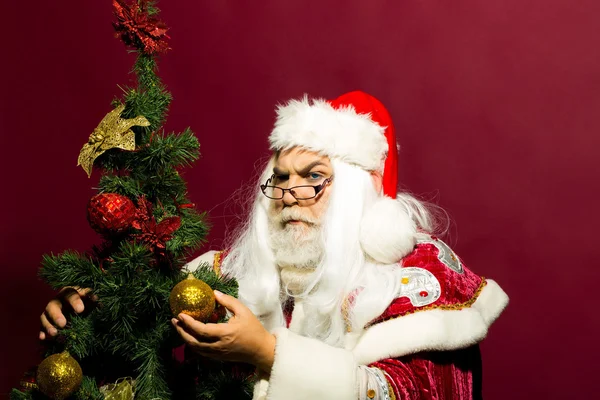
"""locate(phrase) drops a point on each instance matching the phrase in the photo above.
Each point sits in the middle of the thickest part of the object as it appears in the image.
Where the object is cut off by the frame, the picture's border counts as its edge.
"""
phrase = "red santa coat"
(427, 338)
(425, 343)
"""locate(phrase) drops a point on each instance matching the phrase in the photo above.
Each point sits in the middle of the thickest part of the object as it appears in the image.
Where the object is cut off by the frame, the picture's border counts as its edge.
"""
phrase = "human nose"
(288, 198)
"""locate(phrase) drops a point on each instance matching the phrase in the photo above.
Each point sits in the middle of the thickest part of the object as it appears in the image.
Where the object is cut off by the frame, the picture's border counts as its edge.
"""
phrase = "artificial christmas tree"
(123, 347)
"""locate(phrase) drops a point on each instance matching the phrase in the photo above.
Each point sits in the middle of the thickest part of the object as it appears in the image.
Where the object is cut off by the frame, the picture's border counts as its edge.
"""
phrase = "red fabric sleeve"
(447, 375)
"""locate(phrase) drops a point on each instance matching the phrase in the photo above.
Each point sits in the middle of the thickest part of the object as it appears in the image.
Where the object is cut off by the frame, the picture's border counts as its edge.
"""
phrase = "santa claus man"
(345, 292)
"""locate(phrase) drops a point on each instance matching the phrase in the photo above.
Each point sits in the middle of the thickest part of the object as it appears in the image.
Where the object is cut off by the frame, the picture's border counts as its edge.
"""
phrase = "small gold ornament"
(59, 376)
(112, 132)
(193, 297)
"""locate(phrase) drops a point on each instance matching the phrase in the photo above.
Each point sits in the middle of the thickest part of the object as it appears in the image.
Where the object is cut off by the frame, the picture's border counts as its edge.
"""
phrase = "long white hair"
(343, 272)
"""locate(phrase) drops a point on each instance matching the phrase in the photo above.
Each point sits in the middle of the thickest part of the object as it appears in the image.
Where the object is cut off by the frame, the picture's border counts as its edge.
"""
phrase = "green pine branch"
(168, 150)
(80, 338)
(125, 185)
(150, 99)
(70, 269)
(151, 383)
(88, 390)
(224, 284)
(221, 385)
(190, 235)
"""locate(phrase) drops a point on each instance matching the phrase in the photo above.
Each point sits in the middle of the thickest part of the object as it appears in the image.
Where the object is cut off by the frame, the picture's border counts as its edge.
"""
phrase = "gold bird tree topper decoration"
(112, 132)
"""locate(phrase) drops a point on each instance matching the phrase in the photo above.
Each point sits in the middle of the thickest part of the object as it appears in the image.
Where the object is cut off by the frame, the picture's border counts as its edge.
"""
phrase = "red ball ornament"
(110, 213)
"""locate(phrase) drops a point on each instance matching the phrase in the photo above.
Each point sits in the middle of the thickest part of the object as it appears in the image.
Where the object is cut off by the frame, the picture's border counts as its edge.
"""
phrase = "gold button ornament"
(193, 297)
(59, 376)
(112, 132)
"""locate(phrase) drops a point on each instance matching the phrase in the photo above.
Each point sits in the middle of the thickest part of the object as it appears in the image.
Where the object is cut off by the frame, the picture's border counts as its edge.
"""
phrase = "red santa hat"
(355, 128)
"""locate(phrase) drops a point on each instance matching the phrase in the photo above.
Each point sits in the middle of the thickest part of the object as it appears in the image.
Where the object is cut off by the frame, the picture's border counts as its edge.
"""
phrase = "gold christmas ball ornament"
(59, 376)
(193, 297)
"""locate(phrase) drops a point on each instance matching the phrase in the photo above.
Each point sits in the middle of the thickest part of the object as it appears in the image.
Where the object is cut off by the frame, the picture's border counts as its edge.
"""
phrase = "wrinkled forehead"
(299, 157)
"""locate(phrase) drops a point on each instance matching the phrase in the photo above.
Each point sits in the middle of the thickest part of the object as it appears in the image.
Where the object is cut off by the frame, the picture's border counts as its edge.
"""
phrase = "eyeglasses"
(304, 192)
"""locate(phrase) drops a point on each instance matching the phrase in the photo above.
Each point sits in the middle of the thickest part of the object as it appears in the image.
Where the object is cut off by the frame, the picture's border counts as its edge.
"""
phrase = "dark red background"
(496, 105)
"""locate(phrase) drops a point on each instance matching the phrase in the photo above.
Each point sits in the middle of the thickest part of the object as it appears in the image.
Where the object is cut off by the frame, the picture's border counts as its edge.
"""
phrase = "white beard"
(297, 249)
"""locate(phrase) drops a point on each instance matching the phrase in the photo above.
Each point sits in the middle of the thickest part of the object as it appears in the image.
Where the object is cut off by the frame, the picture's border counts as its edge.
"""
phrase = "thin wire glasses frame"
(270, 190)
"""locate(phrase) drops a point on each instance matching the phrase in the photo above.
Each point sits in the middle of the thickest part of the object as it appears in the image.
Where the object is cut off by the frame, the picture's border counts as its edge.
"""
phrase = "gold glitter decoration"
(217, 263)
(59, 376)
(112, 132)
(193, 297)
(122, 389)
(28, 385)
(390, 390)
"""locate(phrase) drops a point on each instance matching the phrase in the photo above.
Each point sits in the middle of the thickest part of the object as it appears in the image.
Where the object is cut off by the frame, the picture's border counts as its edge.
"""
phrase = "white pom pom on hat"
(355, 128)
(387, 232)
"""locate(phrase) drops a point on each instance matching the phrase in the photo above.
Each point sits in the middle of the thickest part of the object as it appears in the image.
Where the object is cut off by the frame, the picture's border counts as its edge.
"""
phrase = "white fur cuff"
(432, 330)
(306, 368)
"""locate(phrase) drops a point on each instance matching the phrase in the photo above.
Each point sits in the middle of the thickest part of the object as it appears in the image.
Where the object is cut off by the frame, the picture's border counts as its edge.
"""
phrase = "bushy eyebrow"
(301, 172)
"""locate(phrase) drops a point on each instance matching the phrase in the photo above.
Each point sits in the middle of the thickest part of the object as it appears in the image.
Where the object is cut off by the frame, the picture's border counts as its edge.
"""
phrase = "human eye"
(314, 176)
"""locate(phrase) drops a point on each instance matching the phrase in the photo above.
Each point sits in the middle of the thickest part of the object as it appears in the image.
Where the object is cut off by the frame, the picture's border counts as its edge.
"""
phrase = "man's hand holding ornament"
(242, 338)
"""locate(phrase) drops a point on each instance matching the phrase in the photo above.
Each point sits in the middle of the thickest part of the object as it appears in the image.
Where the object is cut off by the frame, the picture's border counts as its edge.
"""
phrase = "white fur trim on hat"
(387, 232)
(341, 133)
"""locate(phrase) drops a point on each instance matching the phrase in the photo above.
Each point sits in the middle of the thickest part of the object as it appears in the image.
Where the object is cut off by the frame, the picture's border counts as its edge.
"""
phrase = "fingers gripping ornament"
(193, 297)
(59, 376)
